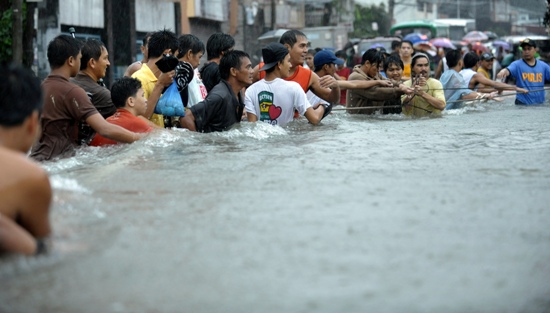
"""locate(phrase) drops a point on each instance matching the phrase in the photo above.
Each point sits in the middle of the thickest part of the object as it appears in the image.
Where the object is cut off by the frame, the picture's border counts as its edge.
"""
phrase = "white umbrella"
(272, 35)
(475, 36)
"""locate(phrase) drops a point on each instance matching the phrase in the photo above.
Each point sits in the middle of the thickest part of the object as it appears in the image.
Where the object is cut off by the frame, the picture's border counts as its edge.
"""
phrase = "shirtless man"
(325, 87)
(24, 186)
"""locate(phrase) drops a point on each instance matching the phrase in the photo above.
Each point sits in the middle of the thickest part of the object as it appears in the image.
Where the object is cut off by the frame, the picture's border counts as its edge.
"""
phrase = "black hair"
(313, 52)
(290, 37)
(20, 94)
(90, 50)
(160, 41)
(406, 41)
(124, 88)
(189, 42)
(146, 38)
(393, 59)
(470, 59)
(341, 54)
(453, 57)
(231, 59)
(61, 48)
(395, 44)
(218, 43)
(373, 56)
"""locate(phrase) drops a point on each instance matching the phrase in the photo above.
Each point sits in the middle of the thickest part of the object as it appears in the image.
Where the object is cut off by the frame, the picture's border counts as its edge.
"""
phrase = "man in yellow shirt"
(153, 81)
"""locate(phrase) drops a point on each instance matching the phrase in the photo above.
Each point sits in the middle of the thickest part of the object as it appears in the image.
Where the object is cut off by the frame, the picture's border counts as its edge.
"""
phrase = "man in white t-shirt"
(273, 99)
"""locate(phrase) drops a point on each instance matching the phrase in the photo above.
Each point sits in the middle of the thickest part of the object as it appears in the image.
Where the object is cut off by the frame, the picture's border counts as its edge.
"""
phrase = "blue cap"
(326, 57)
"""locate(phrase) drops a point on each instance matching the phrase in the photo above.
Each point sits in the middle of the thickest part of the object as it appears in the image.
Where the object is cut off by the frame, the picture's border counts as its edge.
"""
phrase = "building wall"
(154, 15)
(85, 13)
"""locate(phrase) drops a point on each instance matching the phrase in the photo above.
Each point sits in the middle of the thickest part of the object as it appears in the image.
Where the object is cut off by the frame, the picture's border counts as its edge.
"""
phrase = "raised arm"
(325, 88)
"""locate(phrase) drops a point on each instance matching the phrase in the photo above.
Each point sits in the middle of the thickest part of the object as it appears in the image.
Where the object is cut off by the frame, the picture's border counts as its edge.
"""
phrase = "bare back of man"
(26, 196)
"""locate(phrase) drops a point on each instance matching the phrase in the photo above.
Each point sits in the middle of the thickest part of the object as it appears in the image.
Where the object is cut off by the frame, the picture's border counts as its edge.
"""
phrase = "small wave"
(67, 184)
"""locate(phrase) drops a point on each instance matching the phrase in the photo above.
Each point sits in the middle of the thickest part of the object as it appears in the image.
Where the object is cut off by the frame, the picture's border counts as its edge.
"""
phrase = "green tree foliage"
(6, 30)
(6, 21)
(366, 16)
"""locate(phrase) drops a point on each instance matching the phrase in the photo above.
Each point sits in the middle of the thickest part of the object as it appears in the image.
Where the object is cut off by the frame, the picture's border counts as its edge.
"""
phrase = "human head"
(393, 67)
(144, 49)
(454, 57)
(327, 60)
(406, 48)
(190, 49)
(529, 48)
(63, 48)
(470, 59)
(296, 43)
(127, 93)
(341, 54)
(370, 62)
(95, 58)
(272, 54)
(20, 107)
(420, 65)
(236, 63)
(487, 59)
(309, 58)
(218, 44)
(161, 42)
(395, 46)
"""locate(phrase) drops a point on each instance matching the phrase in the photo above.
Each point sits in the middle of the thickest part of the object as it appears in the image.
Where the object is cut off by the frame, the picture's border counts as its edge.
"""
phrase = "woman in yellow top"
(405, 53)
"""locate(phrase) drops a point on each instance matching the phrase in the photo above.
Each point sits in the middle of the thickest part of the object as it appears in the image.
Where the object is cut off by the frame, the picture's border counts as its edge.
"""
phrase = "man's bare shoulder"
(15, 167)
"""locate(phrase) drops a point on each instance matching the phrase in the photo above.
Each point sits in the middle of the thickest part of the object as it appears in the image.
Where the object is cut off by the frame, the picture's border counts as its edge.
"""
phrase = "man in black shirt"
(224, 104)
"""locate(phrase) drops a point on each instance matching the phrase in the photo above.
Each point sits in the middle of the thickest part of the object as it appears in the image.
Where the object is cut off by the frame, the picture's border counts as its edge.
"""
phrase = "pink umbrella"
(475, 36)
(478, 46)
(443, 43)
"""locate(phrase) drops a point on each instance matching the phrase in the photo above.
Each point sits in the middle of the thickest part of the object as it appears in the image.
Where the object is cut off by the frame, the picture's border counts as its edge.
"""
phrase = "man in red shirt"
(129, 98)
(342, 73)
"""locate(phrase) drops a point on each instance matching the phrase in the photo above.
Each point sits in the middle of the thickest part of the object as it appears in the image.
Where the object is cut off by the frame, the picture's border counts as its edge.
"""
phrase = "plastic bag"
(197, 92)
(170, 103)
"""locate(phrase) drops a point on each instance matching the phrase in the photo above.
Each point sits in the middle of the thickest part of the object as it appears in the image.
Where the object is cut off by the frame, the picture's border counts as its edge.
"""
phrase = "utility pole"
(391, 6)
(17, 43)
(273, 14)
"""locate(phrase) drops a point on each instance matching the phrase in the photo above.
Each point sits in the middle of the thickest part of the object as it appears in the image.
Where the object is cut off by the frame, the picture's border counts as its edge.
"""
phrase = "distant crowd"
(169, 88)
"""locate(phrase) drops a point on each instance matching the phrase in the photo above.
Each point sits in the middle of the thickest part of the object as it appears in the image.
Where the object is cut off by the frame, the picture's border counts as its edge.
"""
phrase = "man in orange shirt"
(325, 87)
(129, 98)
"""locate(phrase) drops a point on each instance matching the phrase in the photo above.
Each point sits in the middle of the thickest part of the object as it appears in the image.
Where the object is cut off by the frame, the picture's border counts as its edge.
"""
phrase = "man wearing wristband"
(529, 73)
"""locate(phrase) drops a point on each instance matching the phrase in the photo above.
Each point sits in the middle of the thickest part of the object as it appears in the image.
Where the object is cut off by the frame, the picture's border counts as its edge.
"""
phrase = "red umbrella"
(443, 43)
(478, 46)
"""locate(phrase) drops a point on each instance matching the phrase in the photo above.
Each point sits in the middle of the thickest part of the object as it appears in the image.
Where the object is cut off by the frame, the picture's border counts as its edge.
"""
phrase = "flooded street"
(359, 214)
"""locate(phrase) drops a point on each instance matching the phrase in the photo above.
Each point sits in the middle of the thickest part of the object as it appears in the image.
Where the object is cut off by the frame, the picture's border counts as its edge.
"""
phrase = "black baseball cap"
(487, 56)
(528, 42)
(272, 54)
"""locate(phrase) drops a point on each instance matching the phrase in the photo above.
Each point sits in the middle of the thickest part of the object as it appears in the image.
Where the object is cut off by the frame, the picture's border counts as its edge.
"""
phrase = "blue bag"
(170, 103)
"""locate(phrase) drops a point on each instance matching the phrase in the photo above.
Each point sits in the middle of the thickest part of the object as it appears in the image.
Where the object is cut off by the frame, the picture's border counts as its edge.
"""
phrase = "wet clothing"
(455, 88)
(65, 106)
(125, 119)
(485, 73)
(530, 78)
(373, 96)
(148, 81)
(301, 75)
(468, 74)
(274, 101)
(100, 96)
(344, 74)
(419, 106)
(101, 99)
(210, 75)
(220, 110)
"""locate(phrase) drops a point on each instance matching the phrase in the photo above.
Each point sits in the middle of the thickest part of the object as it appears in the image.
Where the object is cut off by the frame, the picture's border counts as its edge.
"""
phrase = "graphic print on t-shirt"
(269, 112)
